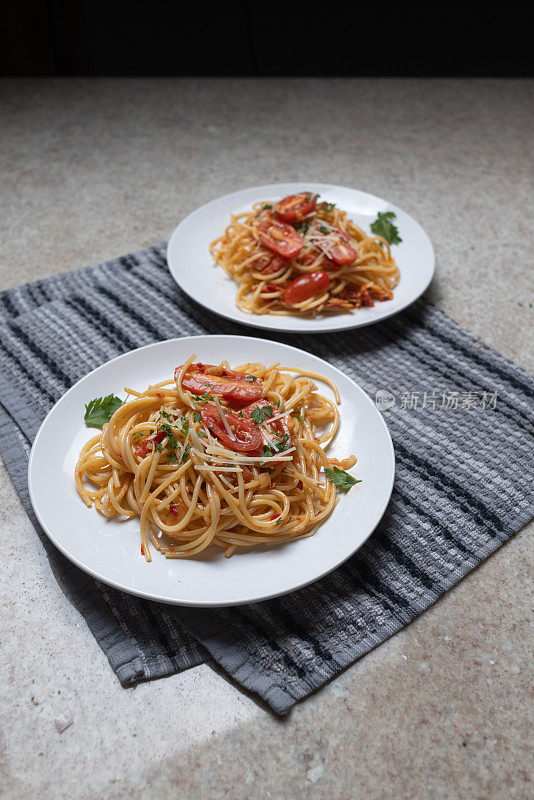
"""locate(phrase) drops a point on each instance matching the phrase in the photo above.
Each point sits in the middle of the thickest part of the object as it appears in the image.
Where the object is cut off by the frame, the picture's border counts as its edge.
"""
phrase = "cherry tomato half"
(306, 286)
(280, 238)
(237, 388)
(342, 252)
(295, 206)
(247, 436)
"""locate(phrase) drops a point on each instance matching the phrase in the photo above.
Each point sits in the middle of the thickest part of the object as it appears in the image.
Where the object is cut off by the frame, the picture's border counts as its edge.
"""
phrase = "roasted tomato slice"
(247, 436)
(280, 238)
(295, 206)
(342, 251)
(306, 286)
(279, 425)
(267, 264)
(237, 388)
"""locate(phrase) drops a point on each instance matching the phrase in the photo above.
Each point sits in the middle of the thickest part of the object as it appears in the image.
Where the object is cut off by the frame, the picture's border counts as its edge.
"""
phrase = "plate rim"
(200, 604)
(354, 323)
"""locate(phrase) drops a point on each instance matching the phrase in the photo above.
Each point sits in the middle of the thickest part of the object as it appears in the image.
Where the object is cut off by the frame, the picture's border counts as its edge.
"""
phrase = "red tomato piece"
(247, 437)
(308, 259)
(306, 286)
(142, 449)
(269, 288)
(280, 238)
(295, 206)
(236, 388)
(267, 264)
(342, 252)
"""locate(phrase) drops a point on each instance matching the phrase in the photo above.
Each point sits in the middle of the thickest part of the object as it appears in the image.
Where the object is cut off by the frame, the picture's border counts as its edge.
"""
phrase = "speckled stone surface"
(93, 169)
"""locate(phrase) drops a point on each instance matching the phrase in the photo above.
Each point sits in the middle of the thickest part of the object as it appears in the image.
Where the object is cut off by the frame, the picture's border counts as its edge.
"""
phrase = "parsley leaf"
(324, 229)
(186, 453)
(267, 451)
(197, 417)
(260, 414)
(383, 226)
(329, 206)
(282, 444)
(205, 396)
(267, 206)
(250, 378)
(100, 410)
(341, 479)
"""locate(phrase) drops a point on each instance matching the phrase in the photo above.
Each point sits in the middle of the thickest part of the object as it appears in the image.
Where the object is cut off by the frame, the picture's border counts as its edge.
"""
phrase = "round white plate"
(110, 550)
(194, 270)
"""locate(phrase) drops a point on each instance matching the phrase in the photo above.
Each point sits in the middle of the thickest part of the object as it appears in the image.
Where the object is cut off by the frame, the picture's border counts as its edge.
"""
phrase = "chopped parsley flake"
(259, 415)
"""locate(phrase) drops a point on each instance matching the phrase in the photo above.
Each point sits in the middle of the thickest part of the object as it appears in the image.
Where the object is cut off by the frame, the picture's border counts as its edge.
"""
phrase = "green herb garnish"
(250, 378)
(100, 410)
(341, 479)
(282, 444)
(329, 206)
(267, 206)
(324, 229)
(186, 453)
(196, 416)
(384, 227)
(259, 415)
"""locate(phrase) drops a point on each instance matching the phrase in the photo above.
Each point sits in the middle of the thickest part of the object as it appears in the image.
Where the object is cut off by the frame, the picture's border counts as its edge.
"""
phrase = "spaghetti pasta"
(217, 457)
(302, 257)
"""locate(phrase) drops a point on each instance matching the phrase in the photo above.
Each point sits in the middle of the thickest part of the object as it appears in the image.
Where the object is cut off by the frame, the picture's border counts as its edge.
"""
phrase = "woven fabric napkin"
(460, 416)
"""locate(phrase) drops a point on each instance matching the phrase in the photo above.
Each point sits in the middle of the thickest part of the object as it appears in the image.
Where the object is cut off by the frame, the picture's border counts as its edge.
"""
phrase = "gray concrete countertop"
(94, 169)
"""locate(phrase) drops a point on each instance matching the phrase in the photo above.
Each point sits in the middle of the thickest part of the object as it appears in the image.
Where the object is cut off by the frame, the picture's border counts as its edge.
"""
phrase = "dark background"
(90, 37)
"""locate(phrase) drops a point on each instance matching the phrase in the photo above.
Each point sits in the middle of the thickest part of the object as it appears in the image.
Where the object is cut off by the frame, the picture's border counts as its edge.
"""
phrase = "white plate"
(194, 270)
(110, 550)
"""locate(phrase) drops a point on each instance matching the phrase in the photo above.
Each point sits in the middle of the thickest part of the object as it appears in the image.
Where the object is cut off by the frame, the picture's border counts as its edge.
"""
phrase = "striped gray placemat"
(461, 420)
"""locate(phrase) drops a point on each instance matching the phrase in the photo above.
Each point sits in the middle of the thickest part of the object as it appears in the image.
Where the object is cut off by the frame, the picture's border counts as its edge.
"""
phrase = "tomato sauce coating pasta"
(303, 257)
(217, 457)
